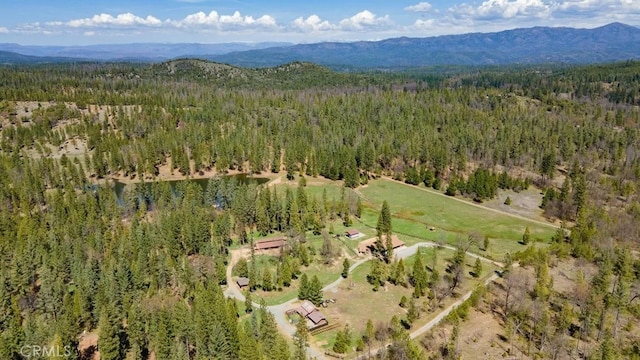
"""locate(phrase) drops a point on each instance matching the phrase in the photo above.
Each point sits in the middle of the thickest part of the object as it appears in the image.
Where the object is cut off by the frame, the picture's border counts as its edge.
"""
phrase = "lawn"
(356, 302)
(326, 274)
(415, 210)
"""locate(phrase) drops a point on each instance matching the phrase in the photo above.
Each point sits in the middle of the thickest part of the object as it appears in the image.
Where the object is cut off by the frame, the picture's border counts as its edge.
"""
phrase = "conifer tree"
(287, 272)
(109, 338)
(315, 291)
(345, 268)
(419, 277)
(383, 226)
(477, 268)
(400, 275)
(388, 255)
(304, 291)
(526, 237)
(301, 341)
(412, 313)
(267, 281)
(248, 302)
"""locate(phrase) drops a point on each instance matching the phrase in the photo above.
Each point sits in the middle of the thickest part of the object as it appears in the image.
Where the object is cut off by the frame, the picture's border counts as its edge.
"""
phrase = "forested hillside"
(145, 271)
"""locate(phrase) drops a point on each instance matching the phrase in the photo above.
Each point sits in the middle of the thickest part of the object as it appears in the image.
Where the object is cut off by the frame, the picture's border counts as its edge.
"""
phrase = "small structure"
(367, 246)
(314, 318)
(270, 243)
(317, 319)
(353, 234)
(242, 282)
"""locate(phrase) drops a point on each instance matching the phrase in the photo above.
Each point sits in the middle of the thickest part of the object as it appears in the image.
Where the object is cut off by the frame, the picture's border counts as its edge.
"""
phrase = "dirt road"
(279, 311)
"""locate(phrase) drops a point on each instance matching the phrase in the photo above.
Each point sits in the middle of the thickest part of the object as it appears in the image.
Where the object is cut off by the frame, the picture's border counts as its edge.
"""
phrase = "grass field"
(326, 274)
(356, 302)
(414, 211)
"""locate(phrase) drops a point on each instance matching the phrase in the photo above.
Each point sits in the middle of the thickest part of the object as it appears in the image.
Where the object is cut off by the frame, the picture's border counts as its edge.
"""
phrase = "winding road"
(279, 311)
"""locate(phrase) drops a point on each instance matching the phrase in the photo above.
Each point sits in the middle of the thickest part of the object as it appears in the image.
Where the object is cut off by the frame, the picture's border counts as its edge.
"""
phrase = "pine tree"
(564, 190)
(477, 268)
(304, 255)
(109, 338)
(542, 288)
(267, 281)
(249, 349)
(345, 267)
(376, 276)
(526, 237)
(579, 192)
(339, 345)
(384, 221)
(315, 291)
(400, 275)
(287, 273)
(248, 302)
(252, 274)
(412, 313)
(388, 255)
(419, 277)
(301, 340)
(304, 291)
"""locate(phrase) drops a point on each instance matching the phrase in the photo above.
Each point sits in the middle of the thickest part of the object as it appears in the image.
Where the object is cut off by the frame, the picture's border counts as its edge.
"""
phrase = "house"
(242, 282)
(366, 246)
(315, 319)
(305, 308)
(353, 234)
(270, 243)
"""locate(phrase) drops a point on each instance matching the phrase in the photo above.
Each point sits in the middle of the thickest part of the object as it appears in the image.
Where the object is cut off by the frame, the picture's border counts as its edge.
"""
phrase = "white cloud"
(424, 24)
(594, 6)
(364, 20)
(427, 20)
(225, 22)
(419, 7)
(553, 12)
(107, 20)
(238, 20)
(505, 9)
(312, 23)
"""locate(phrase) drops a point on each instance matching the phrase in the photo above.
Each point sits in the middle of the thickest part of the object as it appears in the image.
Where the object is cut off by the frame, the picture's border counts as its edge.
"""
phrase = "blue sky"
(81, 22)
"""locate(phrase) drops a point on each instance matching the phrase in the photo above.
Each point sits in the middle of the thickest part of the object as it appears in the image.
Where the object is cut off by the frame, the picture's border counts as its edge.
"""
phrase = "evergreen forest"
(145, 270)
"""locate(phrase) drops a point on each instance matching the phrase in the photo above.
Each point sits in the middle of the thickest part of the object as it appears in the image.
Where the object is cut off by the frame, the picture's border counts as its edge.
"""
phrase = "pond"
(119, 187)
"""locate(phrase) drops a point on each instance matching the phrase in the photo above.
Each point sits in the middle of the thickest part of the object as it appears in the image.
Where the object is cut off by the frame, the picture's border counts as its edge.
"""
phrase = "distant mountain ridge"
(612, 42)
(153, 52)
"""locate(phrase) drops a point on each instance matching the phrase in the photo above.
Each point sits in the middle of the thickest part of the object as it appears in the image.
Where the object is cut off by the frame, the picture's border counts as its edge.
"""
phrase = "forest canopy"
(145, 270)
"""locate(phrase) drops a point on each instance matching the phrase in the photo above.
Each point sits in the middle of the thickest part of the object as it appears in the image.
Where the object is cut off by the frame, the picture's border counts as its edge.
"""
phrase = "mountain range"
(613, 42)
(148, 52)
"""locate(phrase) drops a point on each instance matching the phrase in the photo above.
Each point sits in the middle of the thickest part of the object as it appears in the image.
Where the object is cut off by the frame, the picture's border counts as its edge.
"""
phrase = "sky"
(84, 22)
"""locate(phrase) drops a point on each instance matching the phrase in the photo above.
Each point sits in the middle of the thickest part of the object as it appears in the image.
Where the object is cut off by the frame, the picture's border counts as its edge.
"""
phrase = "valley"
(299, 212)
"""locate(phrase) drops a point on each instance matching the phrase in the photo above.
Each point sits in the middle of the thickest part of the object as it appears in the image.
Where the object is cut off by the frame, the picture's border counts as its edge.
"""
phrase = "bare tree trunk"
(601, 322)
(617, 323)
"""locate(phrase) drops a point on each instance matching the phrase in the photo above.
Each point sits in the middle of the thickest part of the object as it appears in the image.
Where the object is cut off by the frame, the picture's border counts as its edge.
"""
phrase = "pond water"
(119, 187)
